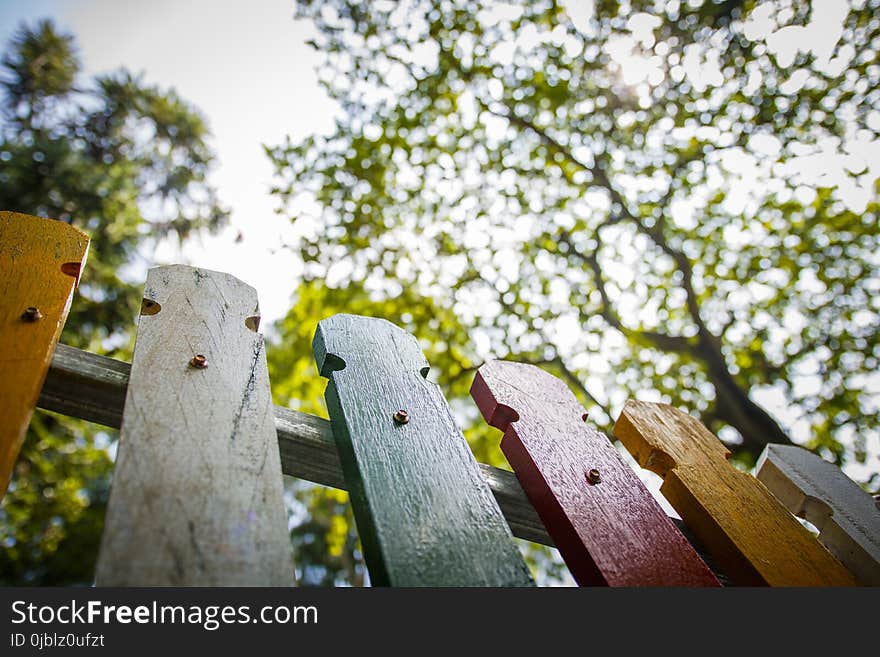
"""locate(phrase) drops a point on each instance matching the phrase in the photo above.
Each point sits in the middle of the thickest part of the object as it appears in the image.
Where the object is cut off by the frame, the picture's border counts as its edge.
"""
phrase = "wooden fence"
(197, 490)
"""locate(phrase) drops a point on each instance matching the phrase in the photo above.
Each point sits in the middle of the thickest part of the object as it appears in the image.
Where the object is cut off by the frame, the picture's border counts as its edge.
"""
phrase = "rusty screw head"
(199, 361)
(593, 476)
(401, 417)
(31, 314)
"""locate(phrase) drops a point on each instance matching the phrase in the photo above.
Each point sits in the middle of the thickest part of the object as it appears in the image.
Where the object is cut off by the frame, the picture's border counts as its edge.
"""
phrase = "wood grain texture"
(197, 491)
(424, 514)
(751, 535)
(847, 517)
(40, 261)
(610, 532)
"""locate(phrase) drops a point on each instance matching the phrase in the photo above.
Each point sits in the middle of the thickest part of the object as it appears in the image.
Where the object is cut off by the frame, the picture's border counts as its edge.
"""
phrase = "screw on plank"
(31, 314)
(198, 361)
(401, 417)
(593, 476)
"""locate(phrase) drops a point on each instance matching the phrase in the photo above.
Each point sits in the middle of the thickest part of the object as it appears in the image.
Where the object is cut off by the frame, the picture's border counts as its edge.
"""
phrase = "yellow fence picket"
(754, 539)
(40, 261)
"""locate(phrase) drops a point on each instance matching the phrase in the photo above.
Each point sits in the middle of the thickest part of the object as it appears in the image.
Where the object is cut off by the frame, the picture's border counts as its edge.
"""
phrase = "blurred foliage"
(674, 201)
(126, 163)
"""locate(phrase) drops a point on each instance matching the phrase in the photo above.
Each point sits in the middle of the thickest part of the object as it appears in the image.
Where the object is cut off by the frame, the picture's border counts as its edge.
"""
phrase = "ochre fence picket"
(197, 500)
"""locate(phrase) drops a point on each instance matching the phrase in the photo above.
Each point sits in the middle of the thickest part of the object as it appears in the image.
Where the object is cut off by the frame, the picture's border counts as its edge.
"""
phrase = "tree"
(127, 163)
(662, 198)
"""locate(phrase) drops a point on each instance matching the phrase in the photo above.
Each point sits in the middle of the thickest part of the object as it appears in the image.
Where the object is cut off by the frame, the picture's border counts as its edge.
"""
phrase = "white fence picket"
(197, 491)
(846, 516)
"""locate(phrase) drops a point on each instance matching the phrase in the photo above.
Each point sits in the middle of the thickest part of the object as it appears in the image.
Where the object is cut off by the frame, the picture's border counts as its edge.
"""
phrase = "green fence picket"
(424, 513)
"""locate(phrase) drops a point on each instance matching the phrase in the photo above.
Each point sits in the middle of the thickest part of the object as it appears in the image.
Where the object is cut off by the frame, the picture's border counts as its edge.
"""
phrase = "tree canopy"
(663, 198)
(126, 162)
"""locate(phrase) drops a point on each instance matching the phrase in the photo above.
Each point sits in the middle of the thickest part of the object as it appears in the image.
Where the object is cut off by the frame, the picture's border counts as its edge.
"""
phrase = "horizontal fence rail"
(90, 387)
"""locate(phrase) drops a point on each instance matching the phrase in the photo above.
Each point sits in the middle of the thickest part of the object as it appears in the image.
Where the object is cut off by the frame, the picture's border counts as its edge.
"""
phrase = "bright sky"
(248, 69)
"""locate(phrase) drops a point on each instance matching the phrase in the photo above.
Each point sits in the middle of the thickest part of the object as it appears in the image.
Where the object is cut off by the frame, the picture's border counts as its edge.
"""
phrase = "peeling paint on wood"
(197, 491)
(424, 514)
(40, 261)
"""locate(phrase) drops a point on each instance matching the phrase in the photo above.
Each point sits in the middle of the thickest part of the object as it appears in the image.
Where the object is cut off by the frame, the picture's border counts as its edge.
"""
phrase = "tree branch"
(675, 343)
(654, 232)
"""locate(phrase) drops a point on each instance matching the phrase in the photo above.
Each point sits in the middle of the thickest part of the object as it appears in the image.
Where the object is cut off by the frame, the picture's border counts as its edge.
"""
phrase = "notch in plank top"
(188, 292)
(754, 539)
(605, 522)
(423, 511)
(383, 346)
(676, 439)
(847, 517)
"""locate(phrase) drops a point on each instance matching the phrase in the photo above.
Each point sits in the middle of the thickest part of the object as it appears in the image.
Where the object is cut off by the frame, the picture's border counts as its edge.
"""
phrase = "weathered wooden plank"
(847, 517)
(197, 492)
(92, 387)
(751, 535)
(424, 514)
(40, 261)
(609, 529)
